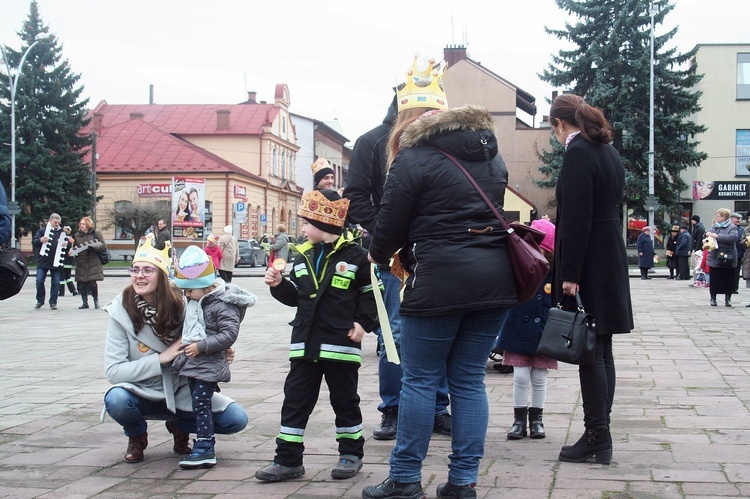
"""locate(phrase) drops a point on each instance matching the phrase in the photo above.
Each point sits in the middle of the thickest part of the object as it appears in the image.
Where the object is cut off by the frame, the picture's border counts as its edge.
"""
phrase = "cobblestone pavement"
(681, 425)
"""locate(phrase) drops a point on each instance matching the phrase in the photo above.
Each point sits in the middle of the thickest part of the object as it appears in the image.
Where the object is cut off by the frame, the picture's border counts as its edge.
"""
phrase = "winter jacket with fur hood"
(223, 310)
(453, 247)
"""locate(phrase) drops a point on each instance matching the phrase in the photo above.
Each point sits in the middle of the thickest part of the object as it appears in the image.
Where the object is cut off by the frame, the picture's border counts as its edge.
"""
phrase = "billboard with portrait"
(715, 189)
(188, 207)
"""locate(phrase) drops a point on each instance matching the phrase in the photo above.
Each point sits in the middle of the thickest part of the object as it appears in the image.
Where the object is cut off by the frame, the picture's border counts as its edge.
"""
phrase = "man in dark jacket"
(698, 233)
(682, 252)
(364, 190)
(736, 218)
(162, 235)
(52, 245)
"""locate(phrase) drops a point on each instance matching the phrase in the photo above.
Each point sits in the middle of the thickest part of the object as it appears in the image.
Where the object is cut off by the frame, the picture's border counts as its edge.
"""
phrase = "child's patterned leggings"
(202, 391)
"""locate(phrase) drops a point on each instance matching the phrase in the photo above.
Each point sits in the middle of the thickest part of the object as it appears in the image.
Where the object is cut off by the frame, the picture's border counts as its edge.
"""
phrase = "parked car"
(252, 253)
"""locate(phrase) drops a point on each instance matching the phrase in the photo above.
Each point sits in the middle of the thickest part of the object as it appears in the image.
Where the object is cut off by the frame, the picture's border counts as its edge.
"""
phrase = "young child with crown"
(331, 286)
(213, 315)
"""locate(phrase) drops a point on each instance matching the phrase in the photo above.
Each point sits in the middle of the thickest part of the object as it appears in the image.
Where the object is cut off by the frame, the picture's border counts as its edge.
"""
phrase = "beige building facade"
(722, 179)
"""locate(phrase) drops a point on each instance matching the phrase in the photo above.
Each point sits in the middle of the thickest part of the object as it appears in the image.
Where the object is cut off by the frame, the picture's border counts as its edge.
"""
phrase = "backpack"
(14, 269)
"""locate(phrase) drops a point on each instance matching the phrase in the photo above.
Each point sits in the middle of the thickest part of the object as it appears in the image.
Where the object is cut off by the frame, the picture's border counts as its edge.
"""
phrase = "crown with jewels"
(315, 206)
(423, 87)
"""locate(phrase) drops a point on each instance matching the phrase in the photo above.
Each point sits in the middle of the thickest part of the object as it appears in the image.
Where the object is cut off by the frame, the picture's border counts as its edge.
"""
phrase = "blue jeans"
(54, 290)
(131, 412)
(389, 374)
(456, 344)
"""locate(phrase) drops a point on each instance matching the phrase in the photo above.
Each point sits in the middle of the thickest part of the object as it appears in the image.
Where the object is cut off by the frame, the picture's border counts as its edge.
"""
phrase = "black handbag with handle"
(569, 336)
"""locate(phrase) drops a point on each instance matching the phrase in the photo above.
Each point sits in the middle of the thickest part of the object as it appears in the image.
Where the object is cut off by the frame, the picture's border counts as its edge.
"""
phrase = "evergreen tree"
(51, 176)
(608, 64)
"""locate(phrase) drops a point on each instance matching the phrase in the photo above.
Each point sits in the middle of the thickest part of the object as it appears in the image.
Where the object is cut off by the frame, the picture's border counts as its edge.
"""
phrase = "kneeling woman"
(143, 338)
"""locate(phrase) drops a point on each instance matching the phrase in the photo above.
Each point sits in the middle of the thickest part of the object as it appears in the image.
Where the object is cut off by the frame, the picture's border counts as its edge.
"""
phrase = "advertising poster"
(188, 207)
(714, 189)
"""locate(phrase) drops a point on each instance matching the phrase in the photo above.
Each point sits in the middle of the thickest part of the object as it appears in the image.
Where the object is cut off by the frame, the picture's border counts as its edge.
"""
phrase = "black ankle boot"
(518, 430)
(594, 443)
(728, 300)
(713, 300)
(536, 428)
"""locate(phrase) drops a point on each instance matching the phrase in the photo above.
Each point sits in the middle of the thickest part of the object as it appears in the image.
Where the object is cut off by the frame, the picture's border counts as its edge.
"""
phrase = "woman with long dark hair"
(590, 257)
(143, 338)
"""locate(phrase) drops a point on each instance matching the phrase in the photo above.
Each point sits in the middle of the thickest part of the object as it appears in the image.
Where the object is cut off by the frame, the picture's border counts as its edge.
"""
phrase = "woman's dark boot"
(713, 300)
(594, 443)
(518, 430)
(134, 454)
(85, 301)
(536, 428)
(728, 300)
(181, 440)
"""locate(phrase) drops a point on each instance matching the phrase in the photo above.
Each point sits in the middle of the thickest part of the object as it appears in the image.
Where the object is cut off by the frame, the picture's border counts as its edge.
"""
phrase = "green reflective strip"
(296, 353)
(352, 436)
(349, 274)
(301, 272)
(341, 356)
(295, 439)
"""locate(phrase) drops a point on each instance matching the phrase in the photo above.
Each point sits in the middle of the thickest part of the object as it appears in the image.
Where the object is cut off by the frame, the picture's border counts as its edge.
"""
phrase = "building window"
(742, 153)
(743, 76)
(274, 161)
(121, 231)
(743, 208)
(283, 124)
(283, 165)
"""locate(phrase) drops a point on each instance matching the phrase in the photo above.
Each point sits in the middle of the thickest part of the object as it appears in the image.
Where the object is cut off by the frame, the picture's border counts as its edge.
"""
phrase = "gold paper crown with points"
(147, 253)
(423, 87)
(315, 206)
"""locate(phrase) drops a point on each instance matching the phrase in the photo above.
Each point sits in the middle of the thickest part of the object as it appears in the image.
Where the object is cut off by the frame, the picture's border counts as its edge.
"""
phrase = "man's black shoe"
(442, 424)
(394, 490)
(388, 426)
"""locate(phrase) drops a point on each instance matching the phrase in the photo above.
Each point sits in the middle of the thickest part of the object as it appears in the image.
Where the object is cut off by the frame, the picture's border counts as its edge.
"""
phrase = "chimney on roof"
(454, 53)
(136, 115)
(222, 119)
(251, 97)
(97, 123)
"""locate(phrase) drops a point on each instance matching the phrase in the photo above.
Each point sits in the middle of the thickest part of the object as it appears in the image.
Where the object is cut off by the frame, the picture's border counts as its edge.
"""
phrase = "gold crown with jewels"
(423, 87)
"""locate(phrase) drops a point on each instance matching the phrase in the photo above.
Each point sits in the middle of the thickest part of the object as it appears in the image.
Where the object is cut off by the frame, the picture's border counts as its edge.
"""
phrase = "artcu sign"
(154, 190)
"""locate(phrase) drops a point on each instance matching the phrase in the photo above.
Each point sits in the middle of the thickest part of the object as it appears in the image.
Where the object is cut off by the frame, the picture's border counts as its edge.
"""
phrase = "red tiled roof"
(191, 119)
(137, 146)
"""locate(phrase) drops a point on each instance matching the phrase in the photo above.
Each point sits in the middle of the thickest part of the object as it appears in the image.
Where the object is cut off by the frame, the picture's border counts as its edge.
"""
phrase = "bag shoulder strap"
(476, 186)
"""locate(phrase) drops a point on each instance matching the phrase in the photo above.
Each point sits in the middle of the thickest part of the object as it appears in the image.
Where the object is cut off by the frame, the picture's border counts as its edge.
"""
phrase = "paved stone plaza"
(680, 425)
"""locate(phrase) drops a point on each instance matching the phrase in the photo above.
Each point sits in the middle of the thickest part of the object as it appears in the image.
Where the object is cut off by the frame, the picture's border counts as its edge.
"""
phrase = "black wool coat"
(589, 246)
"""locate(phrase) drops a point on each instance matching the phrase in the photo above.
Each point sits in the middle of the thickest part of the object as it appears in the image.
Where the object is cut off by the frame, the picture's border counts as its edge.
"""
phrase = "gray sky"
(339, 58)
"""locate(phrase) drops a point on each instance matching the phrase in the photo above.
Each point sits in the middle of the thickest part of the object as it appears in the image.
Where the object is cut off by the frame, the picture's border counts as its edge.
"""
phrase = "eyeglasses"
(146, 271)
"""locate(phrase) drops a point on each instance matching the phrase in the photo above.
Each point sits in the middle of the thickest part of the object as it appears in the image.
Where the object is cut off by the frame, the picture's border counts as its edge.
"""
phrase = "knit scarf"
(148, 312)
(723, 224)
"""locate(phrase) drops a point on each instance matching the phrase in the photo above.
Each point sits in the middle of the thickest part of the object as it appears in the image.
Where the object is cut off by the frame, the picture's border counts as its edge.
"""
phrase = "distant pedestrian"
(670, 248)
(162, 235)
(213, 315)
(736, 218)
(213, 250)
(280, 246)
(682, 252)
(51, 245)
(66, 278)
(722, 260)
(645, 247)
(697, 233)
(89, 268)
(230, 254)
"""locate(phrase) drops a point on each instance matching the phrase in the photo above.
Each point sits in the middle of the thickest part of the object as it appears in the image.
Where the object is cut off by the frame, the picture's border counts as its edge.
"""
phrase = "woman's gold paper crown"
(423, 87)
(316, 206)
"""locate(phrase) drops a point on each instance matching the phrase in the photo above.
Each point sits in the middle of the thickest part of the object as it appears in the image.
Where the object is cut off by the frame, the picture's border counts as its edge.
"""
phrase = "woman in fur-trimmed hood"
(459, 287)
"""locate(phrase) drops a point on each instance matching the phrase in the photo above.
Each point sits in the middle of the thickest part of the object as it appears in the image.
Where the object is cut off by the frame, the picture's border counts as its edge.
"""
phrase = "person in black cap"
(682, 252)
(323, 177)
(698, 233)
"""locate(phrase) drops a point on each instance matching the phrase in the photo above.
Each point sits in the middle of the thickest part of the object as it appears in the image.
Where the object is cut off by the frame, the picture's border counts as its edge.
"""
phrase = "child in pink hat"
(518, 341)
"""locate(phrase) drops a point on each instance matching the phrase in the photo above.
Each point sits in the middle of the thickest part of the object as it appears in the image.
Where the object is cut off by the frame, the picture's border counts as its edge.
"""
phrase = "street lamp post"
(651, 201)
(13, 85)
